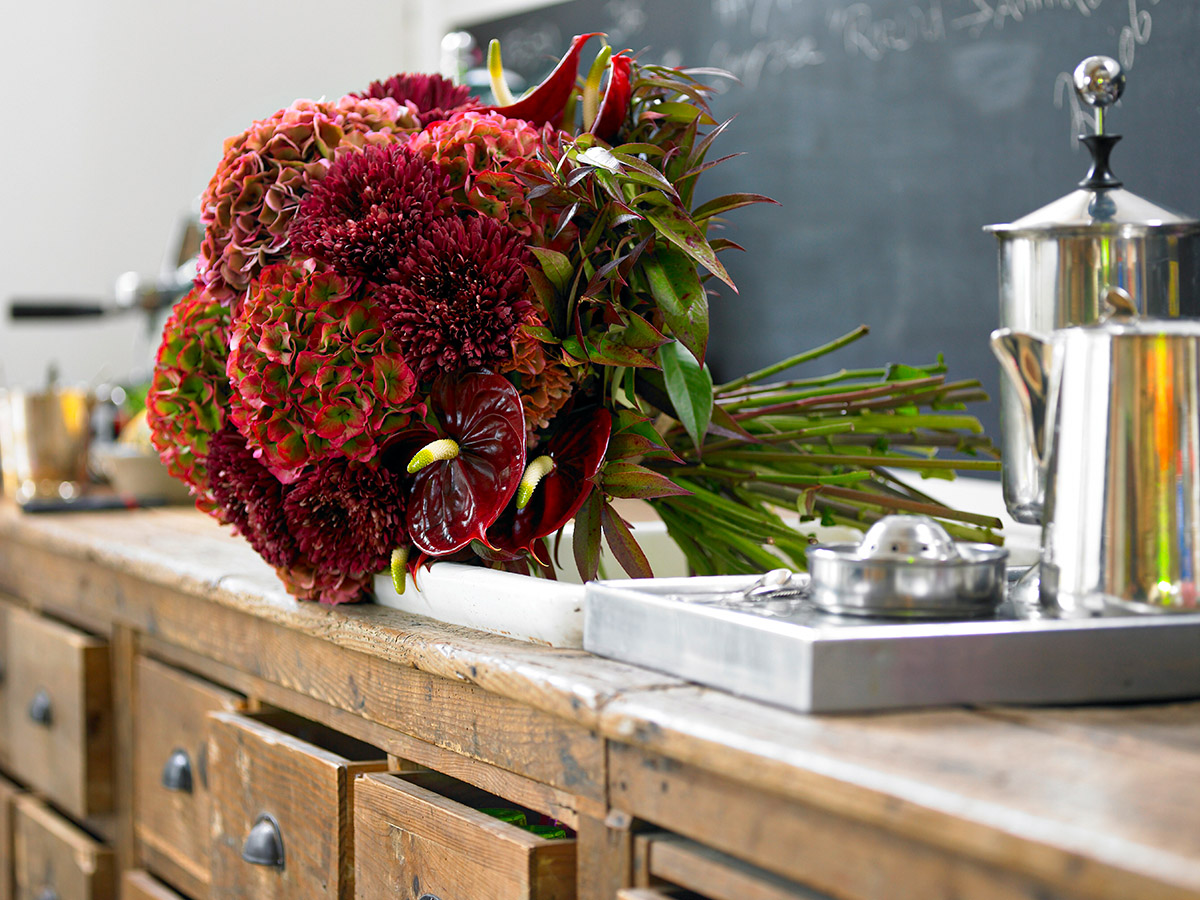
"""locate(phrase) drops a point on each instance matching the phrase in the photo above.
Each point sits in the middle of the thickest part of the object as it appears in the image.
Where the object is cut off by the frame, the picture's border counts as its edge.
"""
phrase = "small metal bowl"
(908, 567)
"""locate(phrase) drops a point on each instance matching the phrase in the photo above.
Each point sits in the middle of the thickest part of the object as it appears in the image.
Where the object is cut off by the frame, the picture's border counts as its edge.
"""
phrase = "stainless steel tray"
(788, 653)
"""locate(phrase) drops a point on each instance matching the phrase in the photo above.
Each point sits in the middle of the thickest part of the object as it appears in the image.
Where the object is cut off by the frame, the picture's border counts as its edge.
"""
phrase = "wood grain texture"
(686, 864)
(138, 884)
(255, 768)
(410, 835)
(51, 854)
(171, 825)
(8, 795)
(70, 757)
(4, 679)
(605, 856)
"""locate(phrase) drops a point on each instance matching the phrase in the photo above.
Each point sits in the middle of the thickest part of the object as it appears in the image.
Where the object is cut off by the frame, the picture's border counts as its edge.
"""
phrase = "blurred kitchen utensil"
(44, 437)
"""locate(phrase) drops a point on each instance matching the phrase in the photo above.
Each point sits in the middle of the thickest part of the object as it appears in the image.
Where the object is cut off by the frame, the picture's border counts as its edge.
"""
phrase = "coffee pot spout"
(1025, 360)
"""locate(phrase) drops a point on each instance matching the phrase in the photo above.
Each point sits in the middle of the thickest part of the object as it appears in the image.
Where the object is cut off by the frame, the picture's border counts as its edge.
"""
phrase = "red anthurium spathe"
(472, 470)
(546, 102)
(615, 104)
(572, 458)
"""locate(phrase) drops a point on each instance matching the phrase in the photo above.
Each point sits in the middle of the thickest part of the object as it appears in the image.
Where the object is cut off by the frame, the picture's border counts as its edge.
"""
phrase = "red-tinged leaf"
(564, 219)
(574, 350)
(639, 333)
(614, 107)
(724, 204)
(701, 149)
(724, 425)
(539, 191)
(639, 149)
(585, 543)
(636, 446)
(680, 297)
(546, 102)
(624, 218)
(705, 166)
(679, 112)
(724, 244)
(709, 70)
(626, 479)
(542, 289)
(612, 352)
(623, 544)
(557, 267)
(578, 175)
(681, 231)
(690, 388)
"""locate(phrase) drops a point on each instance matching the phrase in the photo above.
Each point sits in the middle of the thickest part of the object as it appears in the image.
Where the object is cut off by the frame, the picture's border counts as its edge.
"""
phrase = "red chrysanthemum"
(460, 297)
(249, 498)
(267, 169)
(189, 392)
(431, 97)
(314, 372)
(347, 517)
(368, 210)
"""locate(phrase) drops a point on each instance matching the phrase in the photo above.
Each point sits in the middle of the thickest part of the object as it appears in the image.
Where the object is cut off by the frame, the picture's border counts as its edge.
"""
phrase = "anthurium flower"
(615, 104)
(546, 102)
(559, 478)
(469, 470)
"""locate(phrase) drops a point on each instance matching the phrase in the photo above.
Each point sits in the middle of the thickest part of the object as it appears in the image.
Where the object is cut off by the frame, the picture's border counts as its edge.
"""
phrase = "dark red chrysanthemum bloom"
(347, 517)
(433, 96)
(249, 497)
(459, 297)
(369, 209)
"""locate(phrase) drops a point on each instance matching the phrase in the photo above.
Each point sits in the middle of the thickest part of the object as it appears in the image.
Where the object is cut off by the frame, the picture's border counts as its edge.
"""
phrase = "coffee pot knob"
(1099, 81)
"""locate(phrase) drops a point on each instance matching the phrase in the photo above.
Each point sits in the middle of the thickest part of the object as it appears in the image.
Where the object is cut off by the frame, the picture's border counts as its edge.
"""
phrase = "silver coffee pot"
(1120, 456)
(1058, 264)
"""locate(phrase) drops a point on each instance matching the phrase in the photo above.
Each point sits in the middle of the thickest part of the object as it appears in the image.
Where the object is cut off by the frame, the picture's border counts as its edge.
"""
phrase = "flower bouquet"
(423, 328)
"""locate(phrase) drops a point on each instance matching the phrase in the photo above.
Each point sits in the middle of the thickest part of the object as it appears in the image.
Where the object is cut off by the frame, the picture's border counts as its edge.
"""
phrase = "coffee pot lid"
(1101, 204)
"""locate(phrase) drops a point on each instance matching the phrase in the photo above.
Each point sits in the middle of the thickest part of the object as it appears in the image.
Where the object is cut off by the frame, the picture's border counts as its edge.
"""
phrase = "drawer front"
(139, 885)
(8, 795)
(669, 860)
(54, 859)
(59, 713)
(421, 834)
(294, 796)
(171, 790)
(5, 677)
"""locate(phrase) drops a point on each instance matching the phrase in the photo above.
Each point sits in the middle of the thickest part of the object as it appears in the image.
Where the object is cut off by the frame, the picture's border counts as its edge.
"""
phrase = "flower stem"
(806, 356)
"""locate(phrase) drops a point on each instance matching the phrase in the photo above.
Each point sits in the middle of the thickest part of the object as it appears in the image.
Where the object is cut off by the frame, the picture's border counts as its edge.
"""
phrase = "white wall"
(115, 113)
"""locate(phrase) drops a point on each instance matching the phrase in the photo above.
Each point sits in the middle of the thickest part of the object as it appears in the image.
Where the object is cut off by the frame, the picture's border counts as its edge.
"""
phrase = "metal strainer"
(908, 567)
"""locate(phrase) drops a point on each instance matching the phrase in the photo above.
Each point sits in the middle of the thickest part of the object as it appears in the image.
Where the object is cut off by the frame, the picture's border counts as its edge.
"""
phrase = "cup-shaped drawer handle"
(47, 893)
(430, 897)
(264, 843)
(41, 711)
(177, 772)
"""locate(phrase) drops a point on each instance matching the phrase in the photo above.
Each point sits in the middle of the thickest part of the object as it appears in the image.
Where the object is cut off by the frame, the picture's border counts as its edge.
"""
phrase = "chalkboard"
(892, 131)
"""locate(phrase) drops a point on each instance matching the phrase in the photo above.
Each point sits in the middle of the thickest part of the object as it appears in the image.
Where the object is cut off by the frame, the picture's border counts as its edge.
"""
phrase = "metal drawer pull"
(41, 712)
(264, 843)
(47, 893)
(430, 897)
(177, 773)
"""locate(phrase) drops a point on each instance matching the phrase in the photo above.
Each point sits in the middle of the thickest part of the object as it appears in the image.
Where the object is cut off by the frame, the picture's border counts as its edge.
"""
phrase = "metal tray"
(788, 653)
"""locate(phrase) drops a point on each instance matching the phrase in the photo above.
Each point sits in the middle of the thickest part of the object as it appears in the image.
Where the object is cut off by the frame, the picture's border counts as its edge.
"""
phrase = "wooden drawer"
(276, 773)
(54, 859)
(668, 861)
(139, 885)
(59, 713)
(8, 795)
(421, 834)
(4, 681)
(170, 782)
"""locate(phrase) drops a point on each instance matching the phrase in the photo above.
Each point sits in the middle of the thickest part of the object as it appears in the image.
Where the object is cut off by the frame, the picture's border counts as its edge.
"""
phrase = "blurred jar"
(44, 442)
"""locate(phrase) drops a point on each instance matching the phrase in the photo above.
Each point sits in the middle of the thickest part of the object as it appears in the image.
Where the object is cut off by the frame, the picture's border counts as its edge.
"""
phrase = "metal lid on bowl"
(1101, 205)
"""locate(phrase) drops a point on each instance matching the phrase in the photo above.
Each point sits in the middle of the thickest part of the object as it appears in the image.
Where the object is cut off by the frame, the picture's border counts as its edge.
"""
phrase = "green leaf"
(681, 112)
(626, 479)
(557, 267)
(676, 289)
(690, 387)
(654, 177)
(623, 544)
(632, 149)
(613, 351)
(635, 445)
(585, 543)
(678, 228)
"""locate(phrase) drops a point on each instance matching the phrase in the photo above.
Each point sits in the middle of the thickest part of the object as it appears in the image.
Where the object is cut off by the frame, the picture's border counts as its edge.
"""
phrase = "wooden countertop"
(1094, 801)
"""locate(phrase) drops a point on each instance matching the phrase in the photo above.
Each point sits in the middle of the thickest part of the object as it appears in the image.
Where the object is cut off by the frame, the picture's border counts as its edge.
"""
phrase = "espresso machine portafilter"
(1058, 264)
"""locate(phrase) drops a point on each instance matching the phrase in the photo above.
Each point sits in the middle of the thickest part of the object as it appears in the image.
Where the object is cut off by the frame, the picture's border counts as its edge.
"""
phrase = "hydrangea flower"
(313, 371)
(189, 392)
(265, 172)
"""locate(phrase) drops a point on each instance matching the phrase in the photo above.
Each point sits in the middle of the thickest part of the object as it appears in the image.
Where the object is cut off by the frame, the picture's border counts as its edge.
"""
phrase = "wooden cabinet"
(55, 860)
(5, 678)
(170, 772)
(59, 713)
(673, 863)
(289, 782)
(8, 795)
(423, 835)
